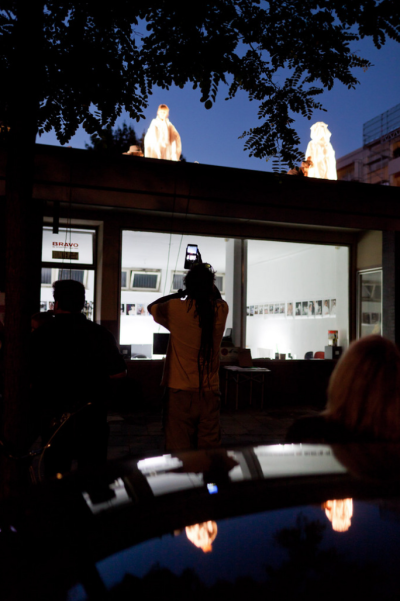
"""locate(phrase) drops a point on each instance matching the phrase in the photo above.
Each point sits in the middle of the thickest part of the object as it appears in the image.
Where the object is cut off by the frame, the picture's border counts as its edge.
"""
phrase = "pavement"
(140, 433)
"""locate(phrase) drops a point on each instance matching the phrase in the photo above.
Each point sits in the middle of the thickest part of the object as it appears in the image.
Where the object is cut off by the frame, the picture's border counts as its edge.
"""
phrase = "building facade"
(378, 161)
(281, 246)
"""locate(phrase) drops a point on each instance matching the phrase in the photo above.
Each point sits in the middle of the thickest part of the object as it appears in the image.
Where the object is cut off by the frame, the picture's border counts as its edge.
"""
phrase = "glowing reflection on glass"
(202, 535)
(339, 512)
(159, 464)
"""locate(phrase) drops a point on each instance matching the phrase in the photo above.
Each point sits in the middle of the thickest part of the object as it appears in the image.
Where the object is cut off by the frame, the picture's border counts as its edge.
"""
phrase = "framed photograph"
(247, 311)
(297, 309)
(43, 305)
(375, 318)
(251, 310)
(318, 308)
(326, 308)
(270, 309)
(311, 308)
(366, 318)
(266, 308)
(282, 311)
(333, 307)
(88, 309)
(289, 310)
(141, 309)
(51, 306)
(131, 309)
(304, 308)
(276, 309)
(123, 309)
(255, 309)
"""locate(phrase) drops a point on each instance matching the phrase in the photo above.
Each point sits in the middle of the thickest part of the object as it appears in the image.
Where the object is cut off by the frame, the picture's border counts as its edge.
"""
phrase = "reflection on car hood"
(105, 524)
(173, 473)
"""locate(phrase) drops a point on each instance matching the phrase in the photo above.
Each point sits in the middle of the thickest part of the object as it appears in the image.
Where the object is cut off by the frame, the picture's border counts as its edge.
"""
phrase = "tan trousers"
(191, 420)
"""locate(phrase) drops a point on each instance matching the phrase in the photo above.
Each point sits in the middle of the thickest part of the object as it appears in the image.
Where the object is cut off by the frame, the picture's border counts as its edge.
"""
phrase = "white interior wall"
(304, 273)
(229, 265)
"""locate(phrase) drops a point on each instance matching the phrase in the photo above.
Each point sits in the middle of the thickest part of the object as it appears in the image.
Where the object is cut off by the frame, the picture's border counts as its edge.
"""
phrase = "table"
(252, 374)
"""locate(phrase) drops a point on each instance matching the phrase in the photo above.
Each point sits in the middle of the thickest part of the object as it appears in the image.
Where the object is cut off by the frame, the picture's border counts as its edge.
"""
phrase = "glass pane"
(123, 279)
(155, 266)
(46, 275)
(71, 274)
(145, 280)
(219, 281)
(177, 282)
(86, 278)
(370, 303)
(296, 294)
(71, 246)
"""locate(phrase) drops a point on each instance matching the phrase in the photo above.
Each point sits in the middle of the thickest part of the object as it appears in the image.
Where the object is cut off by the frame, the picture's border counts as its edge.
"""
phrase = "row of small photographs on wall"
(134, 309)
(311, 308)
(49, 306)
(371, 318)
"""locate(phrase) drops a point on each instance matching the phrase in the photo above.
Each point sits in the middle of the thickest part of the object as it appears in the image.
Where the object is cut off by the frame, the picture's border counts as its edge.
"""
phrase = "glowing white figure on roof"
(321, 152)
(162, 140)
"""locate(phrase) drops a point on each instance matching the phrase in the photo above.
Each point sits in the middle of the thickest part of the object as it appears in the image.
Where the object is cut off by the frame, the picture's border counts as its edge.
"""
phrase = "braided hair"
(199, 284)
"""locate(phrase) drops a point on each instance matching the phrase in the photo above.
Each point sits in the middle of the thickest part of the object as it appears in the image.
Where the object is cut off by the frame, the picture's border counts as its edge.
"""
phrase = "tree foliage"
(95, 62)
(115, 141)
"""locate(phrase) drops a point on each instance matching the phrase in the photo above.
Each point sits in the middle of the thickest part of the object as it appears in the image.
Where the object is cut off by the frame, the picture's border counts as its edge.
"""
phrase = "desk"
(252, 374)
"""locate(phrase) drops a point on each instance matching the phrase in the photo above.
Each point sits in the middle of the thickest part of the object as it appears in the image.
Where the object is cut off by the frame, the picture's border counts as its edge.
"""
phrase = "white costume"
(162, 141)
(321, 152)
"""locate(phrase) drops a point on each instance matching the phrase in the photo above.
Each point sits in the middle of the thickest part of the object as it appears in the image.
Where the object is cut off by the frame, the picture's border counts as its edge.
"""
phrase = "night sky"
(211, 137)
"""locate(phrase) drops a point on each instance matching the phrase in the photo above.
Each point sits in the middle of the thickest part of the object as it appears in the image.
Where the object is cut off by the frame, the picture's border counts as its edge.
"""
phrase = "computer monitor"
(125, 350)
(160, 344)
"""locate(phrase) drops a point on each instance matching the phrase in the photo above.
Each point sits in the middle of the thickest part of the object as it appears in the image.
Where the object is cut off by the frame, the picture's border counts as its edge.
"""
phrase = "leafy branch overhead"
(95, 62)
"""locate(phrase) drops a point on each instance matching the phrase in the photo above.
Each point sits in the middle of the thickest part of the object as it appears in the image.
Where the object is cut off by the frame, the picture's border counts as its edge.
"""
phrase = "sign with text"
(70, 246)
(61, 254)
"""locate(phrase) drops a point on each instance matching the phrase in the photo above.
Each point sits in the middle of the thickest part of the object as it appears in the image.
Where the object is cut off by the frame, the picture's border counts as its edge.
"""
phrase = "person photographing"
(195, 318)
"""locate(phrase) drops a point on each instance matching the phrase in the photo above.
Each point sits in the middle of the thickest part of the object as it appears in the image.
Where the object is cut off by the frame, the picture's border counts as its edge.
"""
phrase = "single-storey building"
(294, 257)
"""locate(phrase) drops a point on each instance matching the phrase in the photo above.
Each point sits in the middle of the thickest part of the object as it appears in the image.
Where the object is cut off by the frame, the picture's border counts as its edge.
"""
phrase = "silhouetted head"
(364, 389)
(199, 281)
(69, 295)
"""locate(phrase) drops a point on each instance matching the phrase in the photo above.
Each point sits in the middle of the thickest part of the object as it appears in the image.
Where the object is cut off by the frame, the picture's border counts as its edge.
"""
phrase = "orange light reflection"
(339, 512)
(202, 535)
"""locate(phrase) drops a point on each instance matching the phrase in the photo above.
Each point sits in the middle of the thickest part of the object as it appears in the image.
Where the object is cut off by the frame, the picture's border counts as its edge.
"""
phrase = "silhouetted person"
(40, 318)
(191, 369)
(363, 397)
(72, 363)
(2, 336)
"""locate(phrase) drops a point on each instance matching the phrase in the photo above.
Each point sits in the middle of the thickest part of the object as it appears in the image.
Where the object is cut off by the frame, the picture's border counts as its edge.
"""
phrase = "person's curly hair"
(199, 284)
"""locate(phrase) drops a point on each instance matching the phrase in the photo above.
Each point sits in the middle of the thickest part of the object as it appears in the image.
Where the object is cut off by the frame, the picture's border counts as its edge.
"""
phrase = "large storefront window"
(153, 266)
(68, 255)
(296, 293)
(369, 302)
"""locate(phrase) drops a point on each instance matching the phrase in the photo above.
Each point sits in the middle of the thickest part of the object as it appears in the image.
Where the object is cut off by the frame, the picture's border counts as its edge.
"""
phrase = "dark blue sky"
(211, 137)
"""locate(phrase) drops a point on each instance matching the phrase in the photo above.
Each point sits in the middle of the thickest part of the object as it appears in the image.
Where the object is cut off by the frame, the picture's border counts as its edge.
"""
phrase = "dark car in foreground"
(294, 521)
